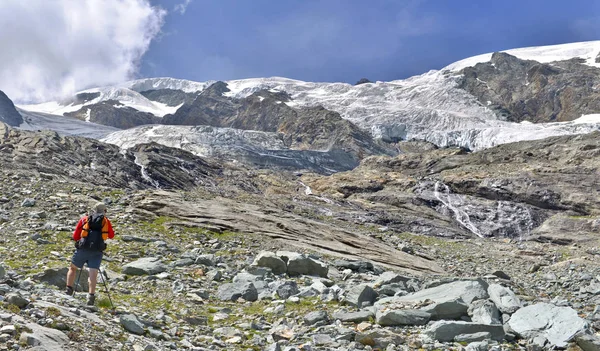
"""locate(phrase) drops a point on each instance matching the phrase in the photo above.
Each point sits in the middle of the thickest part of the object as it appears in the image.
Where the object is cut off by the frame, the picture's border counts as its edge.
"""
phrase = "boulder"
(557, 324)
(355, 265)
(132, 324)
(484, 312)
(17, 300)
(379, 338)
(354, 317)
(300, 264)
(44, 338)
(272, 261)
(466, 290)
(588, 342)
(402, 317)
(445, 331)
(143, 266)
(28, 202)
(206, 260)
(504, 298)
(58, 278)
(316, 318)
(390, 277)
(447, 309)
(287, 289)
(234, 291)
(2, 271)
(361, 295)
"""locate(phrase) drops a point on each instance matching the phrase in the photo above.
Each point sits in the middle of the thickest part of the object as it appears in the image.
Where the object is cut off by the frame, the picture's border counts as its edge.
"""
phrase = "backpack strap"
(104, 228)
(86, 227)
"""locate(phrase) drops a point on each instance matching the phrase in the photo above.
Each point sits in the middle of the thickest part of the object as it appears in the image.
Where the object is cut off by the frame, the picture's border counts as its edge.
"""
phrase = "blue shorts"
(93, 258)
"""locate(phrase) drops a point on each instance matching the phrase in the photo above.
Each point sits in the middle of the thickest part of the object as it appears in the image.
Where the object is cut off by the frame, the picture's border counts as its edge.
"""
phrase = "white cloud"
(51, 49)
(181, 8)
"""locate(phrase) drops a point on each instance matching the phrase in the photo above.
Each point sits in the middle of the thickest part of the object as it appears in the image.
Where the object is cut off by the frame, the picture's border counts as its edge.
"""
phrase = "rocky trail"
(244, 259)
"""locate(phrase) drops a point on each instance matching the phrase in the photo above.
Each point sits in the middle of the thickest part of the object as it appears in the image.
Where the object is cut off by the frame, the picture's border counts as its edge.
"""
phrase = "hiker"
(90, 235)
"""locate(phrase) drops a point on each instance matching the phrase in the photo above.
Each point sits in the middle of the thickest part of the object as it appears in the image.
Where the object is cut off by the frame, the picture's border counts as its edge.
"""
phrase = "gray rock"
(227, 332)
(445, 331)
(361, 295)
(17, 300)
(300, 264)
(588, 342)
(272, 261)
(473, 337)
(322, 340)
(183, 262)
(392, 289)
(484, 312)
(478, 346)
(214, 275)
(390, 277)
(46, 338)
(8, 329)
(28, 203)
(379, 338)
(402, 317)
(354, 317)
(207, 260)
(557, 324)
(2, 271)
(8, 113)
(454, 309)
(504, 298)
(58, 277)
(466, 290)
(234, 291)
(197, 320)
(287, 289)
(132, 324)
(316, 318)
(356, 265)
(143, 266)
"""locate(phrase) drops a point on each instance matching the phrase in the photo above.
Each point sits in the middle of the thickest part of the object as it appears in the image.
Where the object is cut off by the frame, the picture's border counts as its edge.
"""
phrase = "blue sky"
(344, 40)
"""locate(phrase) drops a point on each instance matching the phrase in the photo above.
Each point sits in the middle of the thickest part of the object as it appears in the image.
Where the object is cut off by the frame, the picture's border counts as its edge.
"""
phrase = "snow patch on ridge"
(588, 51)
(126, 97)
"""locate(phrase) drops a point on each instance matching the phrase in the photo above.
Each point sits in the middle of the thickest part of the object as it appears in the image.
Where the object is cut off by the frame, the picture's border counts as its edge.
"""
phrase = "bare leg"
(71, 275)
(92, 280)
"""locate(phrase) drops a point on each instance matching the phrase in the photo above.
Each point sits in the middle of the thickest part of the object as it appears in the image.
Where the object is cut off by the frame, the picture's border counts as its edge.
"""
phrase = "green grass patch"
(104, 302)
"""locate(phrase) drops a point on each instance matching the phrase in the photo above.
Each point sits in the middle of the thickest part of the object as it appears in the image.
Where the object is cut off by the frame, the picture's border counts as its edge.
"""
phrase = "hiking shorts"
(92, 257)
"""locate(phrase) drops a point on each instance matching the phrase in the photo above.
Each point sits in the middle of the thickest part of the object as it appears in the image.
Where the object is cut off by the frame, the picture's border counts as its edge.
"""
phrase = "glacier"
(429, 107)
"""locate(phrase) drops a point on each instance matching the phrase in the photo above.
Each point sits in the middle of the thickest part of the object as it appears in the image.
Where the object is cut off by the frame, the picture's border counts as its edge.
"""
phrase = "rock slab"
(557, 324)
(145, 266)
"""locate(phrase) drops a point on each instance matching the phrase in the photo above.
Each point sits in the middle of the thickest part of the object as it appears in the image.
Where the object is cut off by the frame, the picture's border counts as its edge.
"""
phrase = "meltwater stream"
(145, 175)
(461, 216)
(487, 218)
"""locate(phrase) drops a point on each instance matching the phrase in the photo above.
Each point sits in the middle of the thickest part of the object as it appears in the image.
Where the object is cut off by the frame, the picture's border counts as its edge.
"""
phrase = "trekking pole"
(77, 285)
(104, 277)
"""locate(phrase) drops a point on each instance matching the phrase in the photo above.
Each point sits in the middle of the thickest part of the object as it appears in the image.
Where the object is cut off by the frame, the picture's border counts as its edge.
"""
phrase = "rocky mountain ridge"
(535, 92)
(450, 107)
(8, 112)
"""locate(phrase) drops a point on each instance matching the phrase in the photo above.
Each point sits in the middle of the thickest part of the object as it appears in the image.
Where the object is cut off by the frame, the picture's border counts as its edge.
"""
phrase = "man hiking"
(90, 235)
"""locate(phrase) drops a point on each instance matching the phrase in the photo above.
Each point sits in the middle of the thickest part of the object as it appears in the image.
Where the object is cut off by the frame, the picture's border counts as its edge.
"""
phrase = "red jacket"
(79, 228)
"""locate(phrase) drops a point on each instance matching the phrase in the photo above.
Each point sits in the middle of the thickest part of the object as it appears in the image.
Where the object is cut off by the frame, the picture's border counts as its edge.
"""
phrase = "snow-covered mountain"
(434, 106)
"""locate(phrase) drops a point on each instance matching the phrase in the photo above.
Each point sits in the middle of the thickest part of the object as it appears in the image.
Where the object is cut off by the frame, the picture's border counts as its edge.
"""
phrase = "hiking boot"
(69, 291)
(91, 300)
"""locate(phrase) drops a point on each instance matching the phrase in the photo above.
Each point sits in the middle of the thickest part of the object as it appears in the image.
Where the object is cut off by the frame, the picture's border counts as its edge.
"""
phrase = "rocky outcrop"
(113, 113)
(169, 97)
(8, 112)
(314, 128)
(519, 90)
